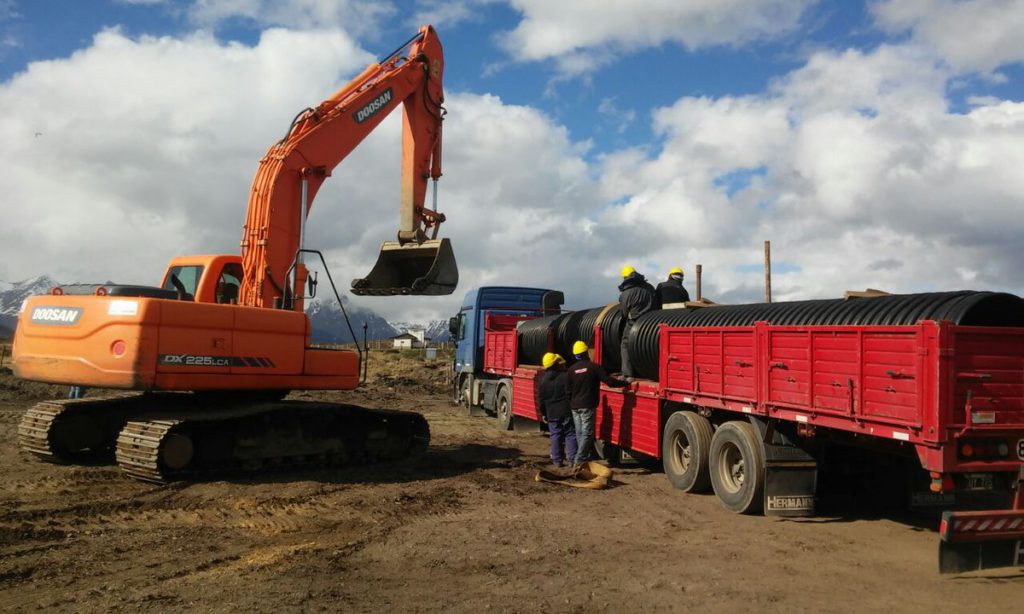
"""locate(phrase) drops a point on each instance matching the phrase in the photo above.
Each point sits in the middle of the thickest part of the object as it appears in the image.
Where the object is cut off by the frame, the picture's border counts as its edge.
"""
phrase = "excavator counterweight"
(425, 269)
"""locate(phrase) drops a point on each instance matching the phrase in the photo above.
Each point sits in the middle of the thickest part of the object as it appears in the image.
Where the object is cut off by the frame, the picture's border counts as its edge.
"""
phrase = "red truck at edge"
(746, 411)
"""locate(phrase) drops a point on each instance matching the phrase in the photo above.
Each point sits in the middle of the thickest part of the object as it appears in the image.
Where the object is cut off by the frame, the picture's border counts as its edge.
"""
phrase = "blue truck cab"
(467, 332)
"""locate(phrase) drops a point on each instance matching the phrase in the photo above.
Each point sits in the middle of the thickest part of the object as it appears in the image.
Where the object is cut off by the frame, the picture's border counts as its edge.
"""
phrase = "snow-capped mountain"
(436, 330)
(329, 324)
(12, 295)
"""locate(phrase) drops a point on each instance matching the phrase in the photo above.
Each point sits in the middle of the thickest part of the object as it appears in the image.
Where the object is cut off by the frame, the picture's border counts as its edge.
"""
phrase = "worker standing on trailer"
(671, 290)
(584, 387)
(552, 398)
(636, 297)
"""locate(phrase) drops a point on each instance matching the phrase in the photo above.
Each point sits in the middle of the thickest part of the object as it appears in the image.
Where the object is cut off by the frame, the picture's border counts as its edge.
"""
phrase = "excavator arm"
(294, 168)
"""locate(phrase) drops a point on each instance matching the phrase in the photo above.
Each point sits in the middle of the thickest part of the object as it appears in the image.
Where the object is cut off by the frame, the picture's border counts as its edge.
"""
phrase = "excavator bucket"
(426, 268)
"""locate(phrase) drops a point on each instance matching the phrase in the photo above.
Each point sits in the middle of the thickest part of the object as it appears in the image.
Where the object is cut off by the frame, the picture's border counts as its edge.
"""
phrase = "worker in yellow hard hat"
(636, 297)
(552, 398)
(584, 381)
(671, 290)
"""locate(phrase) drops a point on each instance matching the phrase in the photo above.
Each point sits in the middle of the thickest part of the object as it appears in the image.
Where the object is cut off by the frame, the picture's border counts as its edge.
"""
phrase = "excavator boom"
(293, 169)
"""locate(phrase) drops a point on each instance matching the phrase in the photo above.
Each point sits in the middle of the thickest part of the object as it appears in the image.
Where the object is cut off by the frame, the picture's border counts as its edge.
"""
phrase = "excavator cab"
(427, 268)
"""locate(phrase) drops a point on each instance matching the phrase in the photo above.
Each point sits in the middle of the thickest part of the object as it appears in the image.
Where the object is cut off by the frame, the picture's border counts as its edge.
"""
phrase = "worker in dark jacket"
(636, 297)
(584, 387)
(671, 290)
(552, 396)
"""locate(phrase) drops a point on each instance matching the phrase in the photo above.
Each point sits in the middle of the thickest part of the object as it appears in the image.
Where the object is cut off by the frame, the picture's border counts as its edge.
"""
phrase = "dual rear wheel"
(728, 459)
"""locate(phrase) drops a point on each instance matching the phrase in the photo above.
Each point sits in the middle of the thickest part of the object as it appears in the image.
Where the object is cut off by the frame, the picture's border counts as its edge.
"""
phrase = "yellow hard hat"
(550, 359)
(627, 271)
(676, 271)
(579, 348)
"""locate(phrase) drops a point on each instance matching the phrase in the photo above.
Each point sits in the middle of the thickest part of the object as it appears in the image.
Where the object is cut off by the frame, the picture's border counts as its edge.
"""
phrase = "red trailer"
(748, 411)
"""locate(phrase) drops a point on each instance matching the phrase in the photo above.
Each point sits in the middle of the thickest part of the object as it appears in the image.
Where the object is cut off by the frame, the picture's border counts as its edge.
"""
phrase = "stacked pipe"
(567, 329)
(966, 307)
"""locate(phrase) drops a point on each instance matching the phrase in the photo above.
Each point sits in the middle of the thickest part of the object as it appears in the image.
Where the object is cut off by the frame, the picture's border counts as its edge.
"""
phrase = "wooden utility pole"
(767, 271)
(699, 269)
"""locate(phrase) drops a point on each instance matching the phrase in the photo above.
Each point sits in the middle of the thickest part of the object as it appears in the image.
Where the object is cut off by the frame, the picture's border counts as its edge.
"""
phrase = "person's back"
(553, 395)
(584, 383)
(584, 387)
(672, 291)
(636, 296)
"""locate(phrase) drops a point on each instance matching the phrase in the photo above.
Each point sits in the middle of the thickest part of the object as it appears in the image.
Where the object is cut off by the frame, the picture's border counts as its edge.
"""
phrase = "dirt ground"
(463, 529)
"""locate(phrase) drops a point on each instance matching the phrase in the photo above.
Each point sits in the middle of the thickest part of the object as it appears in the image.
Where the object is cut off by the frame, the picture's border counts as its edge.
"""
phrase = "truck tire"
(737, 467)
(685, 445)
(503, 409)
(464, 397)
(610, 453)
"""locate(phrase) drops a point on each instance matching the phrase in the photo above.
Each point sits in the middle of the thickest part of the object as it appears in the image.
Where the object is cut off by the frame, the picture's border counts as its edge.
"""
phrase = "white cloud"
(355, 16)
(975, 35)
(582, 35)
(146, 149)
(447, 13)
(622, 119)
(852, 165)
(131, 151)
(854, 168)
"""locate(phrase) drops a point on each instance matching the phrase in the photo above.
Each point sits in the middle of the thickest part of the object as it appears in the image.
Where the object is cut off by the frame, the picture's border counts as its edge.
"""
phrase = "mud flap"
(789, 488)
(963, 557)
(970, 541)
(426, 268)
(791, 473)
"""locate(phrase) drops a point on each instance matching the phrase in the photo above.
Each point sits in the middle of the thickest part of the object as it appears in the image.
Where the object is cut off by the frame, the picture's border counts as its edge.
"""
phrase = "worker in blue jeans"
(553, 405)
(584, 388)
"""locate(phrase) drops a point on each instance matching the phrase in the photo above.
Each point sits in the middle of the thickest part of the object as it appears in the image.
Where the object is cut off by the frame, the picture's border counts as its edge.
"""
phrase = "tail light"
(983, 449)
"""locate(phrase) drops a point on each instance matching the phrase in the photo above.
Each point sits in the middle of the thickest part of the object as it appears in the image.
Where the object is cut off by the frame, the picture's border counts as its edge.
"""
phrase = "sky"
(876, 144)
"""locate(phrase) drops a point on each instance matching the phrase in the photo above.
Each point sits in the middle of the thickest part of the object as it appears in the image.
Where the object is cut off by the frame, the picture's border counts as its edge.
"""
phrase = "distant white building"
(413, 338)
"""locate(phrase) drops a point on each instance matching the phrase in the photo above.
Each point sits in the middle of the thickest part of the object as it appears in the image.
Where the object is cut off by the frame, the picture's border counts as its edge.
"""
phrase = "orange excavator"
(210, 353)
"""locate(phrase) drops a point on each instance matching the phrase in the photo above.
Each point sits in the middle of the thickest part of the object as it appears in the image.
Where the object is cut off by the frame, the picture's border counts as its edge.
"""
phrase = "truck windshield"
(187, 275)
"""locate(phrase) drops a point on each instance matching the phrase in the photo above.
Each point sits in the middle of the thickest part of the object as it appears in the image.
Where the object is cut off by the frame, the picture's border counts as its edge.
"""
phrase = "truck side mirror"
(453, 326)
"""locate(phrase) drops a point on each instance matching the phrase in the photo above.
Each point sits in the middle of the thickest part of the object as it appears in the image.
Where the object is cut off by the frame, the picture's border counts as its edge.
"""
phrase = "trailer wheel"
(685, 445)
(610, 453)
(737, 468)
(504, 409)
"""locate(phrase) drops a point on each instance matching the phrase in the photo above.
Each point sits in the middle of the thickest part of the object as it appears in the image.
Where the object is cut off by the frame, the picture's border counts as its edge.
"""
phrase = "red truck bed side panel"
(631, 420)
(500, 352)
(524, 402)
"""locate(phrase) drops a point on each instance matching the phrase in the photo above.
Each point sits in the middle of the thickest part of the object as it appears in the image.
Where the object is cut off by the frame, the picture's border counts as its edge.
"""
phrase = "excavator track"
(179, 436)
(76, 430)
(266, 437)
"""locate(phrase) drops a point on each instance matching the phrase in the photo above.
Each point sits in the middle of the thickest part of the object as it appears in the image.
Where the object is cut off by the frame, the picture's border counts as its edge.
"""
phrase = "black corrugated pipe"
(962, 307)
(533, 339)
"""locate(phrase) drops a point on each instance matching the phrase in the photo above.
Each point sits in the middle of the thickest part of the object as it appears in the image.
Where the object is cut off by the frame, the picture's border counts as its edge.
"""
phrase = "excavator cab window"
(187, 275)
(229, 283)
